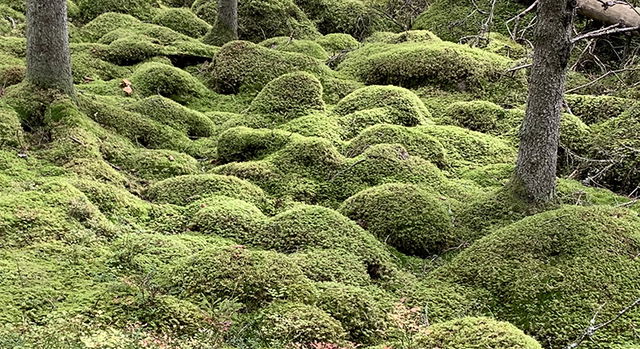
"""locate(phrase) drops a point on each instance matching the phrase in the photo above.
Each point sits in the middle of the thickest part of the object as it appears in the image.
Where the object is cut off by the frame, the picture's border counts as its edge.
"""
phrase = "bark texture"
(225, 28)
(48, 57)
(535, 176)
(610, 12)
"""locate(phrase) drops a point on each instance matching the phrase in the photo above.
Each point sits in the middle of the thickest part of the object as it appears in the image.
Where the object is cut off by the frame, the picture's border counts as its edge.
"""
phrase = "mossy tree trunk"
(225, 28)
(535, 176)
(48, 57)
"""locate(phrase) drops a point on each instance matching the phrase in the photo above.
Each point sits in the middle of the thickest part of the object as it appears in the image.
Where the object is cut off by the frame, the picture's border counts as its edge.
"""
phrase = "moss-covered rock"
(333, 265)
(595, 109)
(290, 323)
(478, 116)
(242, 143)
(230, 218)
(289, 96)
(405, 216)
(439, 300)
(505, 46)
(417, 36)
(337, 42)
(11, 134)
(90, 9)
(404, 106)
(250, 277)
(183, 21)
(573, 251)
(157, 78)
(170, 113)
(288, 44)
(473, 332)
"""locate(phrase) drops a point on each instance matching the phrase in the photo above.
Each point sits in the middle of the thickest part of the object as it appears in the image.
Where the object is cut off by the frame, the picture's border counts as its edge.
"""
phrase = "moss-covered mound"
(230, 218)
(471, 332)
(596, 109)
(478, 116)
(333, 265)
(337, 42)
(183, 21)
(558, 260)
(288, 44)
(405, 216)
(89, 9)
(289, 96)
(171, 113)
(161, 79)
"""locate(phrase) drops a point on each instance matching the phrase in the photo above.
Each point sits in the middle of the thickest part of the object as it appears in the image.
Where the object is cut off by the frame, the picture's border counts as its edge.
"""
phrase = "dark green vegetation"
(327, 182)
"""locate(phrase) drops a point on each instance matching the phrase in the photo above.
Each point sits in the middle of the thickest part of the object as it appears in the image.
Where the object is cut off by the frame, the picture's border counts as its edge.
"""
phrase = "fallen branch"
(610, 30)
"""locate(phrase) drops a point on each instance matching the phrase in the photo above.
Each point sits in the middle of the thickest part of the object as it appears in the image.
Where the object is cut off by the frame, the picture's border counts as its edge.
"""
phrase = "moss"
(315, 125)
(130, 50)
(361, 315)
(416, 142)
(405, 216)
(241, 64)
(30, 103)
(478, 116)
(575, 135)
(333, 265)
(183, 21)
(170, 113)
(571, 192)
(108, 22)
(11, 21)
(287, 44)
(440, 301)
(417, 36)
(253, 278)
(289, 96)
(284, 324)
(156, 78)
(242, 143)
(352, 17)
(470, 147)
(504, 46)
(11, 134)
(595, 109)
(230, 218)
(575, 251)
(453, 20)
(493, 175)
(183, 190)
(337, 42)
(444, 65)
(473, 332)
(90, 9)
(404, 105)
(153, 164)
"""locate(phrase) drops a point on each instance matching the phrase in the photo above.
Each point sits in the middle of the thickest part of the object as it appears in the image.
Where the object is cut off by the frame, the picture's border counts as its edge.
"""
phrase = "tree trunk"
(48, 58)
(615, 12)
(535, 176)
(225, 28)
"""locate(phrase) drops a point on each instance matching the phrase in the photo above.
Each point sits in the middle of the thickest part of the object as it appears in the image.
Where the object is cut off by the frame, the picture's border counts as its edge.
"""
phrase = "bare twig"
(612, 72)
(610, 30)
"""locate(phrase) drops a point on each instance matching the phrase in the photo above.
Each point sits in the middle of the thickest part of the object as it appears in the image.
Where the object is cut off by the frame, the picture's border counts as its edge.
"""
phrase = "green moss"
(438, 300)
(130, 50)
(504, 46)
(11, 134)
(473, 332)
(230, 218)
(250, 277)
(87, 64)
(108, 22)
(416, 142)
(470, 147)
(170, 113)
(241, 64)
(404, 216)
(337, 42)
(452, 20)
(183, 190)
(334, 265)
(352, 17)
(574, 251)
(417, 36)
(406, 108)
(478, 116)
(287, 44)
(315, 125)
(575, 135)
(11, 21)
(596, 109)
(361, 315)
(242, 143)
(183, 21)
(284, 324)
(90, 9)
(289, 96)
(153, 164)
(156, 78)
(492, 175)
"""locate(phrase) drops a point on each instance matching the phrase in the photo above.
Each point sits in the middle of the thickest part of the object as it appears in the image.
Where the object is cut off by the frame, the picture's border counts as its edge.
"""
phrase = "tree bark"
(225, 28)
(48, 57)
(535, 176)
(614, 12)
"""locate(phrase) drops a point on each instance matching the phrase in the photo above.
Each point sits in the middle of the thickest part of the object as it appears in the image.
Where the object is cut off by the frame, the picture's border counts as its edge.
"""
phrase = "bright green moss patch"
(596, 109)
(296, 323)
(307, 47)
(505, 46)
(471, 332)
(90, 9)
(183, 21)
(170, 113)
(478, 116)
(337, 42)
(289, 96)
(580, 242)
(315, 125)
(404, 216)
(11, 134)
(418, 36)
(242, 143)
(335, 265)
(230, 218)
(161, 79)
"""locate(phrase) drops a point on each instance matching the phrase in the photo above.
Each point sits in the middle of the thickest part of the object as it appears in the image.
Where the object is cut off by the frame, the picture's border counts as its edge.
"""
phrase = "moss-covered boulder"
(288, 44)
(595, 109)
(337, 42)
(404, 216)
(478, 116)
(161, 79)
(417, 36)
(333, 265)
(90, 9)
(473, 332)
(230, 218)
(183, 21)
(11, 134)
(283, 324)
(289, 96)
(171, 113)
(557, 260)
(404, 106)
(243, 143)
